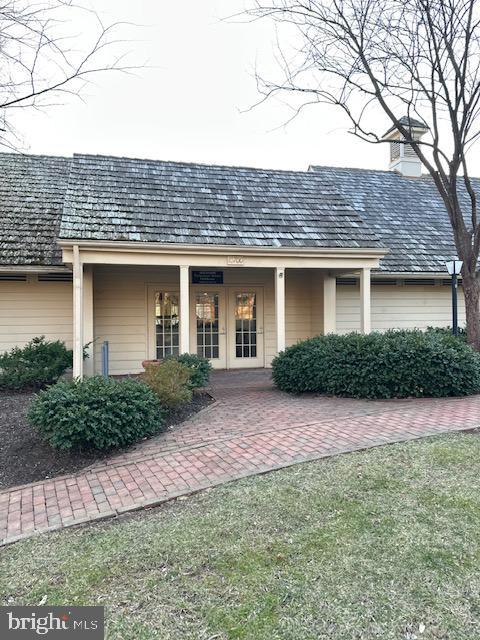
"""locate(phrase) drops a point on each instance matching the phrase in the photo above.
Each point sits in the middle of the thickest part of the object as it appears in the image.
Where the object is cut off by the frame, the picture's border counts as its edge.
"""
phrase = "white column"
(365, 304)
(77, 313)
(329, 304)
(184, 309)
(89, 363)
(280, 307)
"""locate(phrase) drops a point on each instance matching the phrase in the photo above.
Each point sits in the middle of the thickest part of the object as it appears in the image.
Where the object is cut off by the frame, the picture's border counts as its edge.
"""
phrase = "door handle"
(260, 331)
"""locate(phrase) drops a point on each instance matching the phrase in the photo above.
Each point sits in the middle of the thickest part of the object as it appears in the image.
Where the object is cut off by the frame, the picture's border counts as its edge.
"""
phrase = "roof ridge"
(196, 164)
(313, 169)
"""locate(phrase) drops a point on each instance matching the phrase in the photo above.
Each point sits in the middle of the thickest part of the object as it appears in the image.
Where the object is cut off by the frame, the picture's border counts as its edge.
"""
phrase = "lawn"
(377, 544)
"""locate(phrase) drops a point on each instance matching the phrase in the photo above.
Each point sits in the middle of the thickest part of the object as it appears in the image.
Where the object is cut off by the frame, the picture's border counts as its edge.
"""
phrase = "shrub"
(96, 412)
(395, 364)
(36, 365)
(200, 369)
(170, 381)
(447, 331)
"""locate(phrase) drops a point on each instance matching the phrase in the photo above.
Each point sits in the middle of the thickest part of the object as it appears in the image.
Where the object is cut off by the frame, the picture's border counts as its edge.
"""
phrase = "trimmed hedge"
(96, 413)
(395, 364)
(34, 366)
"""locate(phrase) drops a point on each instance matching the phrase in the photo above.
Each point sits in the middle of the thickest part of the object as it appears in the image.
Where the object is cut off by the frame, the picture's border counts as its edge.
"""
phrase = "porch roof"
(123, 199)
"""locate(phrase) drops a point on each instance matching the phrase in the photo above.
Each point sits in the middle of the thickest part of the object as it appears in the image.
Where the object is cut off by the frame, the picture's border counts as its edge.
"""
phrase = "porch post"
(329, 304)
(365, 304)
(89, 363)
(77, 313)
(280, 307)
(184, 309)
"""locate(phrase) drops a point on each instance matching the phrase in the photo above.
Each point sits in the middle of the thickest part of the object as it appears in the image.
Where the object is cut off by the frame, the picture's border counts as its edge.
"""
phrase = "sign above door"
(207, 277)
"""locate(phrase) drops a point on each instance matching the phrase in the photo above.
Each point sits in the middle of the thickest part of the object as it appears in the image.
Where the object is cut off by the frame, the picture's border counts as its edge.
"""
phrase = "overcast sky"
(192, 104)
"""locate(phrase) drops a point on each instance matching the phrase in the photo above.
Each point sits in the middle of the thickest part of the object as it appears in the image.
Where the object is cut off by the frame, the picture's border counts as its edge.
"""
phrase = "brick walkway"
(251, 428)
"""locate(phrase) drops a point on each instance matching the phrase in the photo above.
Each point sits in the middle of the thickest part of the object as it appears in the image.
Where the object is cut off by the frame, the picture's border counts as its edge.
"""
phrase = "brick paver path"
(251, 428)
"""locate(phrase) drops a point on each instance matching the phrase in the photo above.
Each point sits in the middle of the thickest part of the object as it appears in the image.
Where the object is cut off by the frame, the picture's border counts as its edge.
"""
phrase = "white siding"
(32, 308)
(398, 307)
(298, 305)
(121, 308)
(120, 313)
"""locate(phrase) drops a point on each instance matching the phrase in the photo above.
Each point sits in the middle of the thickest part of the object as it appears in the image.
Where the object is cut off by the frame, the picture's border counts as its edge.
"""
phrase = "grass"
(377, 544)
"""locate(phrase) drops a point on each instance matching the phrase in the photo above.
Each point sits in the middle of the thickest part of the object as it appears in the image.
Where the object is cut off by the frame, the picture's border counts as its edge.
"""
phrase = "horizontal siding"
(298, 305)
(398, 307)
(32, 308)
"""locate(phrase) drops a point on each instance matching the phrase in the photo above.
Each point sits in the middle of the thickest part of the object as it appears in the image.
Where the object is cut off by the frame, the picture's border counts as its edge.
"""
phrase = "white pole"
(184, 309)
(280, 307)
(329, 304)
(365, 302)
(77, 313)
(89, 363)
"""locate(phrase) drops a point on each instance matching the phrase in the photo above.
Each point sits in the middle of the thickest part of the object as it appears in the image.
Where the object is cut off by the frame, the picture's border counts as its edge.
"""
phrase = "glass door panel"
(245, 325)
(207, 319)
(207, 325)
(166, 324)
(246, 328)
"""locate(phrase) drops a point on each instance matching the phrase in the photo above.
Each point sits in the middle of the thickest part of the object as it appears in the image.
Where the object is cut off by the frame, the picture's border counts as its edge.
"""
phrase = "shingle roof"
(151, 201)
(407, 214)
(143, 200)
(408, 122)
(32, 190)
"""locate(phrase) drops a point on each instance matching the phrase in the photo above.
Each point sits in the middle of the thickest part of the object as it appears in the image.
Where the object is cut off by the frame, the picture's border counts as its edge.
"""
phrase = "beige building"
(161, 258)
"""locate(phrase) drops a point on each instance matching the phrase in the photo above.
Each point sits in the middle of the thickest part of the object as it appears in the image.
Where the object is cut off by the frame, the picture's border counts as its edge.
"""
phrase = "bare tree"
(49, 48)
(419, 58)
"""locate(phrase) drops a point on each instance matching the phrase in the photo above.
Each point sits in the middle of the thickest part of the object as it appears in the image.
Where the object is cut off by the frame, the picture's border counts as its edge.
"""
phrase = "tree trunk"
(471, 289)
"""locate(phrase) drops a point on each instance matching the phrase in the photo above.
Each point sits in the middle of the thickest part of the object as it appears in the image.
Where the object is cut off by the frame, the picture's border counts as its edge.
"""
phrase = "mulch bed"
(24, 457)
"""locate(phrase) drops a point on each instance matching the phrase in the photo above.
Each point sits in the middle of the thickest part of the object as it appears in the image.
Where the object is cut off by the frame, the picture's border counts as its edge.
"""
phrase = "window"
(166, 324)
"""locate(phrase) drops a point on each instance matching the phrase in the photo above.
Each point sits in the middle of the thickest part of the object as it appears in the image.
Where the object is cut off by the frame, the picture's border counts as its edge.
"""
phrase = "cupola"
(403, 158)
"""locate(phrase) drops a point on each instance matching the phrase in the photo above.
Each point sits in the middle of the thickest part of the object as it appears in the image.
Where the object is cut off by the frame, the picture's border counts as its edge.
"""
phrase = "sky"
(194, 102)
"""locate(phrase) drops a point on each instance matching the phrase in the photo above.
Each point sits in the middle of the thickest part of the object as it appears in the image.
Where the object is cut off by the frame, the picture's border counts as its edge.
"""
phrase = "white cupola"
(403, 158)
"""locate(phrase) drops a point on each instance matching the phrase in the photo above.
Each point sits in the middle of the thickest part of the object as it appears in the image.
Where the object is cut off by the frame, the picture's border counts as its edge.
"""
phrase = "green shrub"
(96, 412)
(447, 331)
(36, 365)
(200, 369)
(170, 381)
(395, 364)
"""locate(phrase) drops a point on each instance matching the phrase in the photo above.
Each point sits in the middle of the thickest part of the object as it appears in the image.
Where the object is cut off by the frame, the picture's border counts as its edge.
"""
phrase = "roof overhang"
(143, 253)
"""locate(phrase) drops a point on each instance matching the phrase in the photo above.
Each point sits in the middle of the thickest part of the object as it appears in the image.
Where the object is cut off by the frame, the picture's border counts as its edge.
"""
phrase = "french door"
(208, 325)
(226, 325)
(245, 327)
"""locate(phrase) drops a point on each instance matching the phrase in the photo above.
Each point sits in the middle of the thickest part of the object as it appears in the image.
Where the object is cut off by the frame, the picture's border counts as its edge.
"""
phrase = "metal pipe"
(105, 359)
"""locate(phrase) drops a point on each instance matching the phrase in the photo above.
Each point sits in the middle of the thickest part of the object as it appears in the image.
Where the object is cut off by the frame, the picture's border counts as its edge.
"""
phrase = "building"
(232, 263)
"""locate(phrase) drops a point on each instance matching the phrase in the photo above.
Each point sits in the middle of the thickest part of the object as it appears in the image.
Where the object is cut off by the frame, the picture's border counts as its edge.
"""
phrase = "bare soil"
(25, 457)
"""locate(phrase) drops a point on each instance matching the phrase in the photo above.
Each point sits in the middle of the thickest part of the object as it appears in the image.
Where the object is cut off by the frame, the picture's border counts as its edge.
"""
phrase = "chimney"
(403, 158)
